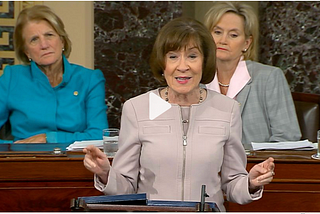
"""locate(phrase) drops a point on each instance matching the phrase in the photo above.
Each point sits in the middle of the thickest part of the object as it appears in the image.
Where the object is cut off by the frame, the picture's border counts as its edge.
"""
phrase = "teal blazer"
(72, 111)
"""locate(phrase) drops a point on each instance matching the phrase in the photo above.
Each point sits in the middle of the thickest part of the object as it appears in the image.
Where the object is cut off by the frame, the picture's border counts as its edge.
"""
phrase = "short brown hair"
(38, 13)
(177, 34)
(251, 23)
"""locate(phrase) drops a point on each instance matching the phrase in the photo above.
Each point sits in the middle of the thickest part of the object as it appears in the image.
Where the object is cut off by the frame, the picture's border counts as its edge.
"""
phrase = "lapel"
(243, 94)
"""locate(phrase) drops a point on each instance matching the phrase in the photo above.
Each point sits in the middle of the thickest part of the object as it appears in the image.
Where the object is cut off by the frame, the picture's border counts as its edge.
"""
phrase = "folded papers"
(139, 199)
(80, 145)
(287, 145)
(128, 199)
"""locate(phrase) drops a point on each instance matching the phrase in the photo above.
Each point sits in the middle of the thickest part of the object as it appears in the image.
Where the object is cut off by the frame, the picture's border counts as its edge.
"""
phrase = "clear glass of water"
(110, 141)
(317, 155)
(318, 139)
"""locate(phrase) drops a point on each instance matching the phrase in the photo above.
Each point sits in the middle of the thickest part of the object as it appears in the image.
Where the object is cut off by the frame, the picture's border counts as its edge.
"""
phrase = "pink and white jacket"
(153, 157)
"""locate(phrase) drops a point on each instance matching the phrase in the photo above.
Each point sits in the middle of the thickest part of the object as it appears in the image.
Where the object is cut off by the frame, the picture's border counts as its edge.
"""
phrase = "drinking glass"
(317, 155)
(110, 141)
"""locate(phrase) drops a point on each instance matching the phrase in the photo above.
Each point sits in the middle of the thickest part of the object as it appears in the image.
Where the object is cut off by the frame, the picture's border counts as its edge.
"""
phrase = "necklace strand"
(167, 99)
(223, 85)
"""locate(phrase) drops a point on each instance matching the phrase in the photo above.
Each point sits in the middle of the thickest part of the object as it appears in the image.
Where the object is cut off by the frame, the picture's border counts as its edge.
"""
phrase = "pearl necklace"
(223, 85)
(167, 99)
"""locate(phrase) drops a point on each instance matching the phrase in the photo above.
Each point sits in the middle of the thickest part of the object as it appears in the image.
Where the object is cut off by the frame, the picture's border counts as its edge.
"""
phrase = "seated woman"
(267, 108)
(195, 142)
(49, 100)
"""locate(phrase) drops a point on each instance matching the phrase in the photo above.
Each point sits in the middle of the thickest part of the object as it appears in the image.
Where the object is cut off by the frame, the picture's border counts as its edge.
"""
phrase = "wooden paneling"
(43, 183)
(295, 187)
(49, 183)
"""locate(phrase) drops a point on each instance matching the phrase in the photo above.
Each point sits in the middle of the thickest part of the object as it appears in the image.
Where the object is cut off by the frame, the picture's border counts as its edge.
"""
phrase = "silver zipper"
(184, 143)
(184, 138)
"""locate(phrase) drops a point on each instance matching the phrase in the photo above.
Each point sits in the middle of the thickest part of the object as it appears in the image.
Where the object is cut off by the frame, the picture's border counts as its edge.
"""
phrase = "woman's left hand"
(39, 138)
(261, 174)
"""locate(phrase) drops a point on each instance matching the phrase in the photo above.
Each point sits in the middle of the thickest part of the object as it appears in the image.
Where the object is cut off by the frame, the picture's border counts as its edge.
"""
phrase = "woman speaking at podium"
(196, 142)
(48, 99)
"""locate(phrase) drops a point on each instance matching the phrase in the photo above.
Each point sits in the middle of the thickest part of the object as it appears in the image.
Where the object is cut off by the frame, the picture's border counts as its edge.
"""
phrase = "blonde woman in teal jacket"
(49, 100)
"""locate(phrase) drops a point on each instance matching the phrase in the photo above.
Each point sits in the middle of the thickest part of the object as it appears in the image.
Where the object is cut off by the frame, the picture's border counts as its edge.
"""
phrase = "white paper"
(287, 145)
(79, 145)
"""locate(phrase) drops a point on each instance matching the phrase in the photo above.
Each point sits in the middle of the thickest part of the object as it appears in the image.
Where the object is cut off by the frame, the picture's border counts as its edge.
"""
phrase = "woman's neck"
(194, 97)
(54, 72)
(225, 71)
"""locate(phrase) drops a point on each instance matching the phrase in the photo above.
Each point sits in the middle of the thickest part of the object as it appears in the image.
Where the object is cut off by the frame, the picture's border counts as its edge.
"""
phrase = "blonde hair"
(38, 13)
(177, 34)
(251, 23)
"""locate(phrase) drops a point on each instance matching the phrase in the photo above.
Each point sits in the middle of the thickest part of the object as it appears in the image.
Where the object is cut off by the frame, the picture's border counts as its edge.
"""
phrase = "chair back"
(308, 113)
(308, 117)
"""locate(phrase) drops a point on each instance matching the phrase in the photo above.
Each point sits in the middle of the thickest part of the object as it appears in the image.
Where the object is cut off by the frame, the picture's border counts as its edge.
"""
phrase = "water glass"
(317, 155)
(318, 140)
(110, 141)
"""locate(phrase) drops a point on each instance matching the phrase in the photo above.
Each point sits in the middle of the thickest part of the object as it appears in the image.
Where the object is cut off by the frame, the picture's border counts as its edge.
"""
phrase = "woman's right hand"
(97, 162)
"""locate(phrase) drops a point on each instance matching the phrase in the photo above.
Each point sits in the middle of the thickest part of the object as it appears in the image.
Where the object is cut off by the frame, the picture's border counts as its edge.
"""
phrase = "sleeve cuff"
(258, 194)
(51, 137)
(98, 184)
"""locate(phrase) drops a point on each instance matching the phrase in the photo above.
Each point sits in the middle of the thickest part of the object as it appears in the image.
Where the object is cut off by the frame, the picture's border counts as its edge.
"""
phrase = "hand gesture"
(97, 162)
(39, 138)
(261, 174)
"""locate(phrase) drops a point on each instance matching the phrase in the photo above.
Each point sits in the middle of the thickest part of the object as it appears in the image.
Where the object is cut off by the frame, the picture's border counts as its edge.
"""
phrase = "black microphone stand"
(203, 198)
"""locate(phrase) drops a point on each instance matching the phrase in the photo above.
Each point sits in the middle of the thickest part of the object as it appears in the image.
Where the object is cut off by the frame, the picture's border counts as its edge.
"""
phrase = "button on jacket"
(73, 110)
(154, 159)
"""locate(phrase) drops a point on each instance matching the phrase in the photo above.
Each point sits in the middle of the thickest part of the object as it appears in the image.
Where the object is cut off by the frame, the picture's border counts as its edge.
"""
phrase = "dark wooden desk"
(48, 183)
(295, 187)
(43, 182)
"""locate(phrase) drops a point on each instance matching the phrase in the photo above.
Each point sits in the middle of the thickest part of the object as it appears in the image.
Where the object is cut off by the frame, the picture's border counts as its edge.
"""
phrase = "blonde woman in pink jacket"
(196, 142)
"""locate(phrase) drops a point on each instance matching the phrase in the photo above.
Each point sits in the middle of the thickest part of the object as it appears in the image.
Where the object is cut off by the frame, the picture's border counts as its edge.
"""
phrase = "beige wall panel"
(79, 21)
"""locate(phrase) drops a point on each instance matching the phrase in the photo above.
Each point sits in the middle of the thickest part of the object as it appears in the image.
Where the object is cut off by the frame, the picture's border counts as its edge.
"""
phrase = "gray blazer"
(267, 108)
